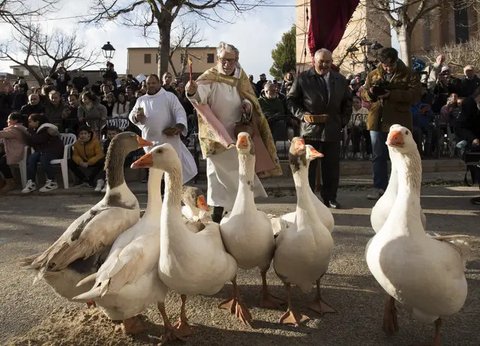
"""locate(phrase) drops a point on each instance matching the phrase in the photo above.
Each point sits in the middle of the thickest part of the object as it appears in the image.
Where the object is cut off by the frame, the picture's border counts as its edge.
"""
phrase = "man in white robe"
(161, 118)
(224, 96)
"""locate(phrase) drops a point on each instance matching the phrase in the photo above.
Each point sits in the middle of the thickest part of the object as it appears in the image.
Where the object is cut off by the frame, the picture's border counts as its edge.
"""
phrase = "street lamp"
(108, 51)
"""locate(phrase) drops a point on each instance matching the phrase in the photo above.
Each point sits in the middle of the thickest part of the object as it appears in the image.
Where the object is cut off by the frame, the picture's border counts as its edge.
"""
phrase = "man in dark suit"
(321, 100)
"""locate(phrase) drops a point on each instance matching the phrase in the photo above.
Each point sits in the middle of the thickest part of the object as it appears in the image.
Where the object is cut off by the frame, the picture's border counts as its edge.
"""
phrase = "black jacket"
(305, 96)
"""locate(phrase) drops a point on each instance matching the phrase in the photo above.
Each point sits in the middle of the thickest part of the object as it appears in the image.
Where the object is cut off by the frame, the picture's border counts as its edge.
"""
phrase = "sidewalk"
(352, 174)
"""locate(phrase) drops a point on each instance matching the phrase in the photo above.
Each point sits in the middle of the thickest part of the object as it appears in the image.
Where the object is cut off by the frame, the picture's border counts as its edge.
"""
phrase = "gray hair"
(222, 46)
(320, 51)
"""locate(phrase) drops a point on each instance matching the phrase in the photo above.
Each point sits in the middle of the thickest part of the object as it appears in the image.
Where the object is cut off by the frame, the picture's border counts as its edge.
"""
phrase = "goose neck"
(154, 198)
(114, 170)
(173, 192)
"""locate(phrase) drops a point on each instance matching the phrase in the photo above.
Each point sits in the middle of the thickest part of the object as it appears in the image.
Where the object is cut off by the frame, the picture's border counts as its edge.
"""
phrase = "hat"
(468, 68)
(445, 69)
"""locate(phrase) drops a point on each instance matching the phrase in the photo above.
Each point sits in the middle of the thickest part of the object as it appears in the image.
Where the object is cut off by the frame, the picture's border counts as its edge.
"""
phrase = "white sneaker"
(49, 186)
(104, 188)
(29, 187)
(100, 183)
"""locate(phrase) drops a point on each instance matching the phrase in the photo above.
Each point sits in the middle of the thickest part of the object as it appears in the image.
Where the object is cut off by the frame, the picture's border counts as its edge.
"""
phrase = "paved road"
(29, 224)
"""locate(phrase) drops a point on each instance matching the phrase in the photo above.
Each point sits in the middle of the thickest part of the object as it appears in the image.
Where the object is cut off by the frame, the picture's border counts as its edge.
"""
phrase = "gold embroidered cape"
(209, 141)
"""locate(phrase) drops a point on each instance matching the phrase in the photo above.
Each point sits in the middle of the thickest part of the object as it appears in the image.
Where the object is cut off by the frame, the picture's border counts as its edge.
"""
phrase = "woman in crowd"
(14, 138)
(45, 140)
(92, 112)
(121, 107)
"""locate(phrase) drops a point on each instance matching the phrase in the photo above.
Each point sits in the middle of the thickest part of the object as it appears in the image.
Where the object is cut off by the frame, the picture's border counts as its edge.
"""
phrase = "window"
(147, 58)
(210, 58)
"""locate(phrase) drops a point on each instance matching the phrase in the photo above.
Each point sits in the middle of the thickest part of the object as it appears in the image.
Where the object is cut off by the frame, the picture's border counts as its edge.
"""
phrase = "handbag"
(244, 125)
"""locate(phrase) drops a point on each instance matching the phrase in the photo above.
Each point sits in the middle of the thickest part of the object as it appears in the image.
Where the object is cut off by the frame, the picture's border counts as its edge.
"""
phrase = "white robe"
(222, 169)
(164, 110)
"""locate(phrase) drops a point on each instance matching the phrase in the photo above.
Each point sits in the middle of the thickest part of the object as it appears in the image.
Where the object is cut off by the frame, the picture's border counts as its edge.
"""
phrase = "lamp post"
(108, 51)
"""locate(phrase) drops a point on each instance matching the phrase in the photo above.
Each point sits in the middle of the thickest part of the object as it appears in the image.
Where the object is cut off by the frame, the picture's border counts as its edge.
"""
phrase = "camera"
(380, 88)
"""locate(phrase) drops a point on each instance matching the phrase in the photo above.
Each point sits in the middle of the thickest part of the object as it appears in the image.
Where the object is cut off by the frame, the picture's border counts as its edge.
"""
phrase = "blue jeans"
(44, 159)
(379, 159)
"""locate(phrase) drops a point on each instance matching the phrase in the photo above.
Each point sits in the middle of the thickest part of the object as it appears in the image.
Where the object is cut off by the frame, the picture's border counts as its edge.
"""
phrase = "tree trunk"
(404, 41)
(164, 28)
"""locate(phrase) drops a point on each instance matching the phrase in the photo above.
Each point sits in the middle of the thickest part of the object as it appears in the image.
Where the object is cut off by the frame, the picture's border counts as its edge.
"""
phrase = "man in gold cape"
(220, 96)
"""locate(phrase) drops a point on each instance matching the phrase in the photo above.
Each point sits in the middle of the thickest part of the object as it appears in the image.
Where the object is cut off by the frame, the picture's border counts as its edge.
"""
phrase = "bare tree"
(187, 35)
(162, 14)
(47, 51)
(458, 55)
(16, 11)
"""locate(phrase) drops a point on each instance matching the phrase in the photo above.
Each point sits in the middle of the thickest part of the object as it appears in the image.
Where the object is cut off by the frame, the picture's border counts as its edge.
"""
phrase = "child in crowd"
(14, 138)
(47, 145)
(357, 126)
(88, 154)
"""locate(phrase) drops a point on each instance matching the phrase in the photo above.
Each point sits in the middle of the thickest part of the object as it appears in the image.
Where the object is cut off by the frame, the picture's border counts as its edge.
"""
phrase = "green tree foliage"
(283, 55)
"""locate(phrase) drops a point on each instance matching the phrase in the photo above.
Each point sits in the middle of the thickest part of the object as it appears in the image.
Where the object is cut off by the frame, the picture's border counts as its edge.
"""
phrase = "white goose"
(382, 208)
(78, 251)
(303, 250)
(247, 232)
(190, 263)
(128, 282)
(287, 220)
(424, 274)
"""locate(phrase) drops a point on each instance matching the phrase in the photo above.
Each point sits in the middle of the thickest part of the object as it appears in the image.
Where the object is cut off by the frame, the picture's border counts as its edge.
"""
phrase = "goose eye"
(406, 132)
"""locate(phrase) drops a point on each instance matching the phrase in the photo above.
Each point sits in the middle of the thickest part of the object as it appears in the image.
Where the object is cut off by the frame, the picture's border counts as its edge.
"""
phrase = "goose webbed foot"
(238, 309)
(133, 325)
(182, 329)
(291, 317)
(390, 322)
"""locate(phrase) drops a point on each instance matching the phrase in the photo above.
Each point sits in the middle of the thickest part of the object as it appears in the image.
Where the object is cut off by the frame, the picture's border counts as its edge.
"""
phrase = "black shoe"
(333, 204)
(475, 200)
(217, 214)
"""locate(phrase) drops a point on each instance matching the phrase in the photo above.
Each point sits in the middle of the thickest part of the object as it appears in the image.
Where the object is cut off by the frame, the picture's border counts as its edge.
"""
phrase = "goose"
(190, 263)
(247, 232)
(195, 206)
(80, 250)
(128, 282)
(383, 206)
(324, 213)
(303, 251)
(435, 285)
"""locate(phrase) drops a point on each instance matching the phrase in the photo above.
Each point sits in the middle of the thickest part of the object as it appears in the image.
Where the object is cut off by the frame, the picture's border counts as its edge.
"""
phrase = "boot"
(9, 185)
(217, 214)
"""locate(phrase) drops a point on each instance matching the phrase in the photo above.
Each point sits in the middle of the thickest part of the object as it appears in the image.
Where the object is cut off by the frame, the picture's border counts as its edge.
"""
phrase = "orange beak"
(143, 142)
(395, 138)
(145, 161)
(202, 203)
(315, 153)
(242, 141)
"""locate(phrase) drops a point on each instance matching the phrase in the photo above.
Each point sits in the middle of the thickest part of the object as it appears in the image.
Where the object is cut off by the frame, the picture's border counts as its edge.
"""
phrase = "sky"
(254, 33)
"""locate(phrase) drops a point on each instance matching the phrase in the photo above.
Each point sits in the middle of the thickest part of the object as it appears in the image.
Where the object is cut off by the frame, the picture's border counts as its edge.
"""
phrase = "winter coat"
(90, 152)
(46, 139)
(304, 96)
(405, 91)
(15, 139)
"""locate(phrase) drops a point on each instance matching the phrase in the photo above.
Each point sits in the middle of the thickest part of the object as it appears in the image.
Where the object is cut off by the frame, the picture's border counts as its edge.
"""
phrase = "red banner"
(328, 21)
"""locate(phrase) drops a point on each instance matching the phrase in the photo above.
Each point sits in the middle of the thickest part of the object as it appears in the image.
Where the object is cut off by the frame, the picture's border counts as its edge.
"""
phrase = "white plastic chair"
(68, 140)
(119, 122)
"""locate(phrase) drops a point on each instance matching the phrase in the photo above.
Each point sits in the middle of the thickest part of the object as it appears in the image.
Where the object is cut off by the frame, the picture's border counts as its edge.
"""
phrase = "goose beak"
(242, 141)
(143, 142)
(314, 153)
(395, 139)
(145, 161)
(202, 203)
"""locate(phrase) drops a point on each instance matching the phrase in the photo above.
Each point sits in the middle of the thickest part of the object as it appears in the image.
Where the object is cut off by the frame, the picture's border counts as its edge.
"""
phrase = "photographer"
(392, 88)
